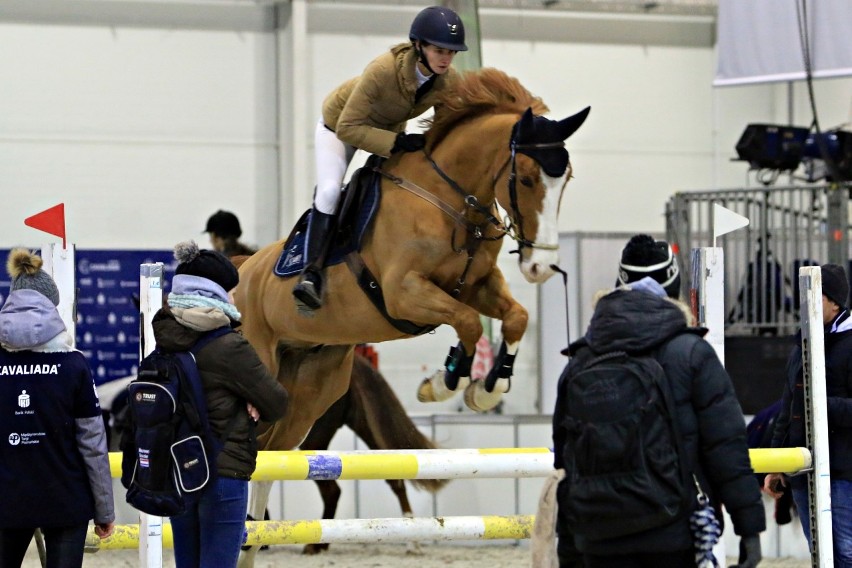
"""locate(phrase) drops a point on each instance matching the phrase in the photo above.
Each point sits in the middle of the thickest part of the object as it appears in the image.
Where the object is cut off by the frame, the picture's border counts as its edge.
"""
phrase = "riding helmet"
(440, 27)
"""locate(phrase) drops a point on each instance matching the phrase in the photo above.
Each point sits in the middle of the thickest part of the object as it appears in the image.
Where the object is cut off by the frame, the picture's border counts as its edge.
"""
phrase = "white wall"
(145, 121)
(141, 132)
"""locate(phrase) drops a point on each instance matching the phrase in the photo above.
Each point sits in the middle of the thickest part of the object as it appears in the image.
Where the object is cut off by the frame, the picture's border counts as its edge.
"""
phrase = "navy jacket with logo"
(44, 479)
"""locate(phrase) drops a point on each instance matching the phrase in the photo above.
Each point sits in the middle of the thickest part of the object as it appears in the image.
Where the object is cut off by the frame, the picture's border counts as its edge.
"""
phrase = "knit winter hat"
(207, 264)
(835, 286)
(643, 256)
(25, 269)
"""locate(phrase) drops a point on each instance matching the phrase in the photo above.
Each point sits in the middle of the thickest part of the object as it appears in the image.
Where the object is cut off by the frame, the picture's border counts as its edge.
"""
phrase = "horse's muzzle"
(536, 270)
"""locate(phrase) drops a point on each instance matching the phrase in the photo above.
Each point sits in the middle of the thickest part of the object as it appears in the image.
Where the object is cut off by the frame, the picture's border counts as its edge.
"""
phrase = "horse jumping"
(431, 249)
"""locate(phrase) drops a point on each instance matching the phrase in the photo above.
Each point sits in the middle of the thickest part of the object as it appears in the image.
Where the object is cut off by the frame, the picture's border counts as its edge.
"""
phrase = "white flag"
(725, 221)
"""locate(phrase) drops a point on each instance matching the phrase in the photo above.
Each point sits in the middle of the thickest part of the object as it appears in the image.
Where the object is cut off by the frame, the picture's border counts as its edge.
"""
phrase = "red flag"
(50, 221)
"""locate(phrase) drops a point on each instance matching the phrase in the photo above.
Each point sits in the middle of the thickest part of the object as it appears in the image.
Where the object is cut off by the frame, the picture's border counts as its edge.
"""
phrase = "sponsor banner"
(107, 312)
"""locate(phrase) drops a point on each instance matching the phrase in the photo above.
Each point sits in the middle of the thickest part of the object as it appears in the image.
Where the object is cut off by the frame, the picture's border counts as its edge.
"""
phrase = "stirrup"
(309, 293)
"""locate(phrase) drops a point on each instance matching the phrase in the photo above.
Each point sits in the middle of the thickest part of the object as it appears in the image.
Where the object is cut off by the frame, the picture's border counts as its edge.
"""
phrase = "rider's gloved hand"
(750, 553)
(408, 143)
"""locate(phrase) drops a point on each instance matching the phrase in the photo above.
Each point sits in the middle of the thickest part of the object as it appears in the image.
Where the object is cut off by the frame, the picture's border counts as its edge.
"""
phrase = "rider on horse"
(370, 112)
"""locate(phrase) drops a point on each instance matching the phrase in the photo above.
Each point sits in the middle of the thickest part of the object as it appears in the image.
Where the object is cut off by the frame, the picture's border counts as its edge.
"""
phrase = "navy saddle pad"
(346, 239)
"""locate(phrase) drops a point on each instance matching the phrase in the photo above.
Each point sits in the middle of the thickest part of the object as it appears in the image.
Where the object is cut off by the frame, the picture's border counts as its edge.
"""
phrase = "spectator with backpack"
(239, 390)
(54, 466)
(790, 425)
(648, 429)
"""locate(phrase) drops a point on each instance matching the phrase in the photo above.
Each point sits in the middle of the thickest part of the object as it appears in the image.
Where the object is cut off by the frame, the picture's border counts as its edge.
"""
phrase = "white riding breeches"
(332, 157)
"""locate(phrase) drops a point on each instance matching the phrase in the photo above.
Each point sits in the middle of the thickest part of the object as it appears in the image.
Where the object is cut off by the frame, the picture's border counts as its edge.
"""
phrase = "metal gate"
(789, 227)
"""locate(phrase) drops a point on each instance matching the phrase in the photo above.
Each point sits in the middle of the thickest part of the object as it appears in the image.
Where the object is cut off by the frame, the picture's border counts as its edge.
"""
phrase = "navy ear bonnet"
(543, 139)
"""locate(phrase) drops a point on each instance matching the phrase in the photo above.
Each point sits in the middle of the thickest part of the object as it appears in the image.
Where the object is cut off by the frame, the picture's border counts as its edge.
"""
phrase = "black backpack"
(624, 464)
(168, 451)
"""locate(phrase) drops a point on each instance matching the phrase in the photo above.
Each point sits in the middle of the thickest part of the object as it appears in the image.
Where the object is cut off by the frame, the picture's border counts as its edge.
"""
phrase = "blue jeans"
(841, 519)
(211, 533)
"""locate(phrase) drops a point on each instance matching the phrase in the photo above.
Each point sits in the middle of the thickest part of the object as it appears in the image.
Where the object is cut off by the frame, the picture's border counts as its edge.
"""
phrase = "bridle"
(475, 232)
(518, 235)
(508, 227)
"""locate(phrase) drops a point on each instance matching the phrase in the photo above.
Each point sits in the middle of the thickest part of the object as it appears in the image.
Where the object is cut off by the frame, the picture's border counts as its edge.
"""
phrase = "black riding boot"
(309, 289)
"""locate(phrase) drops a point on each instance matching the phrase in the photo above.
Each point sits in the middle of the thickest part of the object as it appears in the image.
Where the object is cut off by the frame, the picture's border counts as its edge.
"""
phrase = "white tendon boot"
(434, 389)
(476, 397)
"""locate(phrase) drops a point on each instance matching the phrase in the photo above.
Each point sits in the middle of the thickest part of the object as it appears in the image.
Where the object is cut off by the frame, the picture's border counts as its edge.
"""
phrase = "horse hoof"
(478, 399)
(433, 389)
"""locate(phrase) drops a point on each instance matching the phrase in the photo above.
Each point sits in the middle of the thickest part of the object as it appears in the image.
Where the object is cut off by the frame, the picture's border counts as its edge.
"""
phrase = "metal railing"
(789, 227)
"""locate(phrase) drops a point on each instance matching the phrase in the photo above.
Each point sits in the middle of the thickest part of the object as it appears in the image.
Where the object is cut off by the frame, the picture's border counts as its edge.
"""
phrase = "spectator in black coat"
(790, 425)
(636, 318)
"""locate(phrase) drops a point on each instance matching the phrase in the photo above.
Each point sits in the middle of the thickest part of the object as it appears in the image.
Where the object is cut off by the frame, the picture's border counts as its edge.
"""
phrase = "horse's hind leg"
(318, 439)
(330, 493)
(258, 500)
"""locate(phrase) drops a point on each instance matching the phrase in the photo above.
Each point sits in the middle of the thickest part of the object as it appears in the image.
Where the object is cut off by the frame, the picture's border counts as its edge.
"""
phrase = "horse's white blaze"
(536, 265)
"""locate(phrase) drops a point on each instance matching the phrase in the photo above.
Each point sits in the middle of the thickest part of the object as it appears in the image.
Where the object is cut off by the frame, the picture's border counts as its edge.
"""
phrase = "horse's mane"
(474, 93)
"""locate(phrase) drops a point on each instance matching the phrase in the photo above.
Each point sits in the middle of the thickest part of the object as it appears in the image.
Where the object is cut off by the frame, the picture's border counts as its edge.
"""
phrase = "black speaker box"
(772, 146)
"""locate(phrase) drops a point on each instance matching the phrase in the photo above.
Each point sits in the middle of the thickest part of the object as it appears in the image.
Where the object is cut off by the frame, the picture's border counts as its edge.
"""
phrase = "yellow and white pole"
(335, 531)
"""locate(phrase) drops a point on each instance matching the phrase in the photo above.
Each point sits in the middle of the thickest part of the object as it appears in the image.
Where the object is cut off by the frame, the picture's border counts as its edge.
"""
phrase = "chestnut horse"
(432, 251)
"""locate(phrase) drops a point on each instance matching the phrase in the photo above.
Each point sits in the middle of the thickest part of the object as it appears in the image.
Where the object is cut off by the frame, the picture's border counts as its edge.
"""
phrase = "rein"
(475, 233)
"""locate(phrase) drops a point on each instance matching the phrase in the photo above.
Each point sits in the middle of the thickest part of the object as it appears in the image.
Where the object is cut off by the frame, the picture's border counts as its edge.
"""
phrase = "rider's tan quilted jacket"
(368, 111)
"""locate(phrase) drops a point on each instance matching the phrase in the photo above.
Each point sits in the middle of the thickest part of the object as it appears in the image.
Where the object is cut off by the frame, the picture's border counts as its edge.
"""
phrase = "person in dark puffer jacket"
(236, 383)
(643, 315)
(790, 425)
(54, 466)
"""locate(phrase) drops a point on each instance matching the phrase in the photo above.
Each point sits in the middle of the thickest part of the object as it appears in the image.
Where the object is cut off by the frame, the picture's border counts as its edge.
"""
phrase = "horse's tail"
(385, 417)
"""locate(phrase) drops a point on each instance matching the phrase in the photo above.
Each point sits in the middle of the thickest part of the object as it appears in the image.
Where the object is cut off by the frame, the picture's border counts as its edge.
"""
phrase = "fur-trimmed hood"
(634, 320)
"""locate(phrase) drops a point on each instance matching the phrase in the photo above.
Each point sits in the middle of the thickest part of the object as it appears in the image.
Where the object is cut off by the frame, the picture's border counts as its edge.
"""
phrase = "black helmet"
(224, 224)
(440, 27)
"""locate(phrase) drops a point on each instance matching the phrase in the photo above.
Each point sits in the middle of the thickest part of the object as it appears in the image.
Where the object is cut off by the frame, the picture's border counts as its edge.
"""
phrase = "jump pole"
(816, 415)
(60, 263)
(449, 464)
(150, 538)
(335, 531)
(708, 296)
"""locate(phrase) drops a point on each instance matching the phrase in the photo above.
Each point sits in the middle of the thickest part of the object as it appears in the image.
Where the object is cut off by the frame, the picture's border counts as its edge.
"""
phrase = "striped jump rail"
(448, 464)
(392, 530)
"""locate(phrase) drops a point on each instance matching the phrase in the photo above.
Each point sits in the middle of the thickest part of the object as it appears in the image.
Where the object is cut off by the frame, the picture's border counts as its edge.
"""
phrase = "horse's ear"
(526, 122)
(568, 126)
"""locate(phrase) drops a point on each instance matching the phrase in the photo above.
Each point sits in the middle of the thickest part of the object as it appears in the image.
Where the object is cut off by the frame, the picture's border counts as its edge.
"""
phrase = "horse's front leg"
(416, 298)
(494, 300)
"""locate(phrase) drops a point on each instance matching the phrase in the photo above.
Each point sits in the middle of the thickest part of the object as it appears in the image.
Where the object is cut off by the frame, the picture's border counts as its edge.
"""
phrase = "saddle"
(360, 203)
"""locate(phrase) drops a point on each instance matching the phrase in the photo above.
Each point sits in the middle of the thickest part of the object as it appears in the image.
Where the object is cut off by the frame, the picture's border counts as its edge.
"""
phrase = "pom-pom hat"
(643, 256)
(207, 264)
(25, 269)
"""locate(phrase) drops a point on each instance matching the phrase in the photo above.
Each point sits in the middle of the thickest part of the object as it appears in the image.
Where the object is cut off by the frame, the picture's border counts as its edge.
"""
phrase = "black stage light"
(838, 146)
(772, 146)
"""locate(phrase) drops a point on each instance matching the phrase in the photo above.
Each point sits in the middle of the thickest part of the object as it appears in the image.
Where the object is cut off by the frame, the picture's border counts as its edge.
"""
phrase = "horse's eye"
(527, 181)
